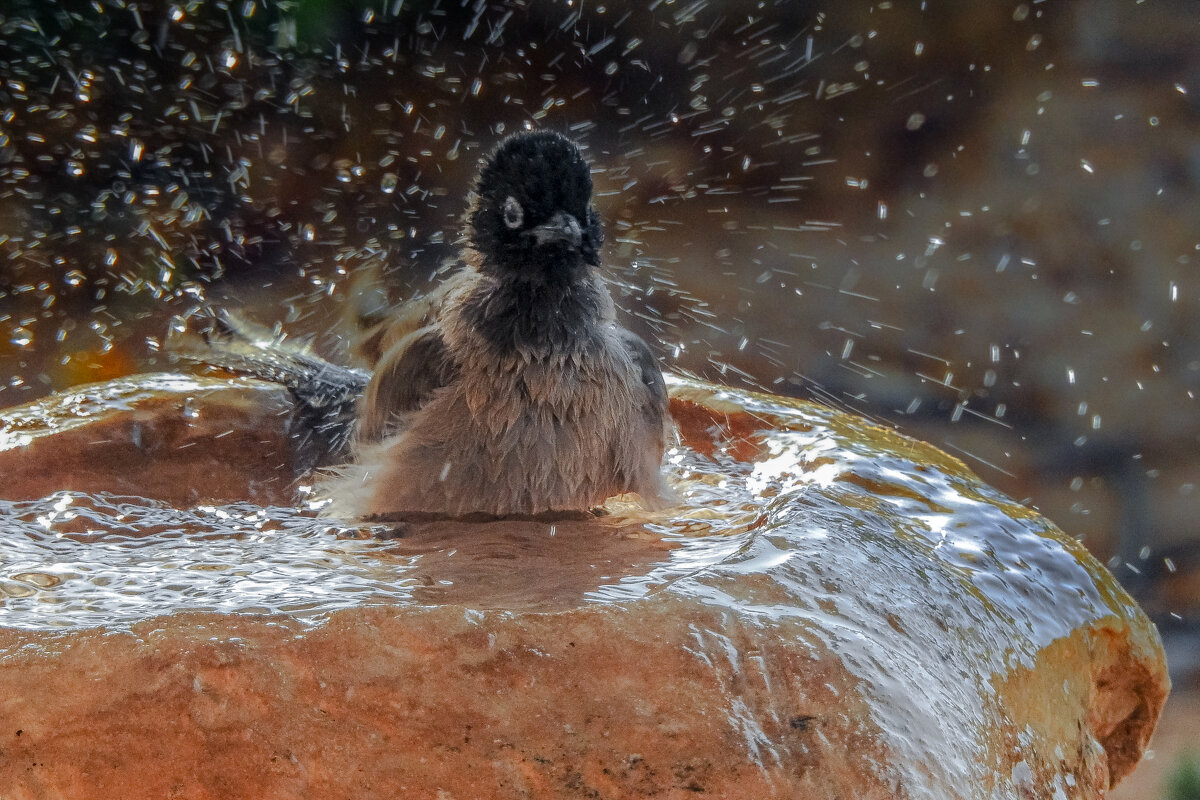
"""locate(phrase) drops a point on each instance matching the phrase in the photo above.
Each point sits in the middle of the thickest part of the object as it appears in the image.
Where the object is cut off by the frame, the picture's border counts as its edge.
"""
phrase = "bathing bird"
(511, 389)
(508, 390)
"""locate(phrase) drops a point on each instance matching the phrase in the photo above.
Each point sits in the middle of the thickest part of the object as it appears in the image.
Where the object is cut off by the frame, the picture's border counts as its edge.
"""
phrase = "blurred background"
(978, 222)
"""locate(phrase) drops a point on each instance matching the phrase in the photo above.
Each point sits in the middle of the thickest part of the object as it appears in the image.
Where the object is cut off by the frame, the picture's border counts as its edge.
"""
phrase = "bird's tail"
(326, 394)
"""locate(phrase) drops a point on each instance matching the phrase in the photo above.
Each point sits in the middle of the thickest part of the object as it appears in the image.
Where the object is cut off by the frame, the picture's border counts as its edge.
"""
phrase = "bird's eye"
(514, 215)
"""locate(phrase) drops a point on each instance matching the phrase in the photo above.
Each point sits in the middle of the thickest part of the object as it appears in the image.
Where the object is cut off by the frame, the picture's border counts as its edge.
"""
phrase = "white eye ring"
(514, 215)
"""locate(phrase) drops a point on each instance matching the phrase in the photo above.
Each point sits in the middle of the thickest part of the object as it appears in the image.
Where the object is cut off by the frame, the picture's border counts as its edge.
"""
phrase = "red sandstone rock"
(176, 438)
(833, 611)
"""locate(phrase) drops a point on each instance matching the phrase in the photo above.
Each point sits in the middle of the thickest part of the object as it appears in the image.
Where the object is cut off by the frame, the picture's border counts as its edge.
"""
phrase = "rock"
(175, 438)
(834, 610)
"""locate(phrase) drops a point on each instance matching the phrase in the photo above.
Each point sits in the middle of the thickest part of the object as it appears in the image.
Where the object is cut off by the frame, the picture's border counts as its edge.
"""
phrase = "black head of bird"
(532, 218)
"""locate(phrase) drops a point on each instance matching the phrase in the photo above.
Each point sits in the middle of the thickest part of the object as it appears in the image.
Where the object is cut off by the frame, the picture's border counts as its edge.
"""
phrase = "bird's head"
(532, 217)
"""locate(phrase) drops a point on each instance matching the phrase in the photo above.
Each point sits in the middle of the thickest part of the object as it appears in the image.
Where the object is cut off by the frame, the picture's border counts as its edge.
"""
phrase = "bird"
(509, 390)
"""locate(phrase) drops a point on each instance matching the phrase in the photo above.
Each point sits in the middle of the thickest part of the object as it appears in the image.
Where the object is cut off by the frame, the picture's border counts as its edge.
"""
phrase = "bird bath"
(832, 610)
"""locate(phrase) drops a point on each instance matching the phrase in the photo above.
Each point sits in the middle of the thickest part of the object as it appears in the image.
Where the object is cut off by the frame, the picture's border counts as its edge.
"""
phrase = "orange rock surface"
(833, 611)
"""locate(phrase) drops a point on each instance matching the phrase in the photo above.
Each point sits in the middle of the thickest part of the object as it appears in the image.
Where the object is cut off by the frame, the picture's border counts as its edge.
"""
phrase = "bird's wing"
(408, 372)
(652, 377)
(381, 327)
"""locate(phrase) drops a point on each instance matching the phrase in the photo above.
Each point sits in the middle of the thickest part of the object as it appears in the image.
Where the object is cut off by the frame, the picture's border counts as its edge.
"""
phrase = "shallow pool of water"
(764, 487)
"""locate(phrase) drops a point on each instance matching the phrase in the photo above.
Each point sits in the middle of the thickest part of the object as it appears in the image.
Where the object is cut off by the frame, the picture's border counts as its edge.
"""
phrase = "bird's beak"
(562, 227)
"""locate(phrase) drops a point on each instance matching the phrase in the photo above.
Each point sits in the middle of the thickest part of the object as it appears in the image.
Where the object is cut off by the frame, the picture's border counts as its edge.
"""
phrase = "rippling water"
(77, 560)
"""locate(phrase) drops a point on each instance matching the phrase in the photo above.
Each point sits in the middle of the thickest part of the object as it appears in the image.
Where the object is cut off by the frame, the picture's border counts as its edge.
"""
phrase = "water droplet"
(387, 184)
(21, 337)
(915, 121)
